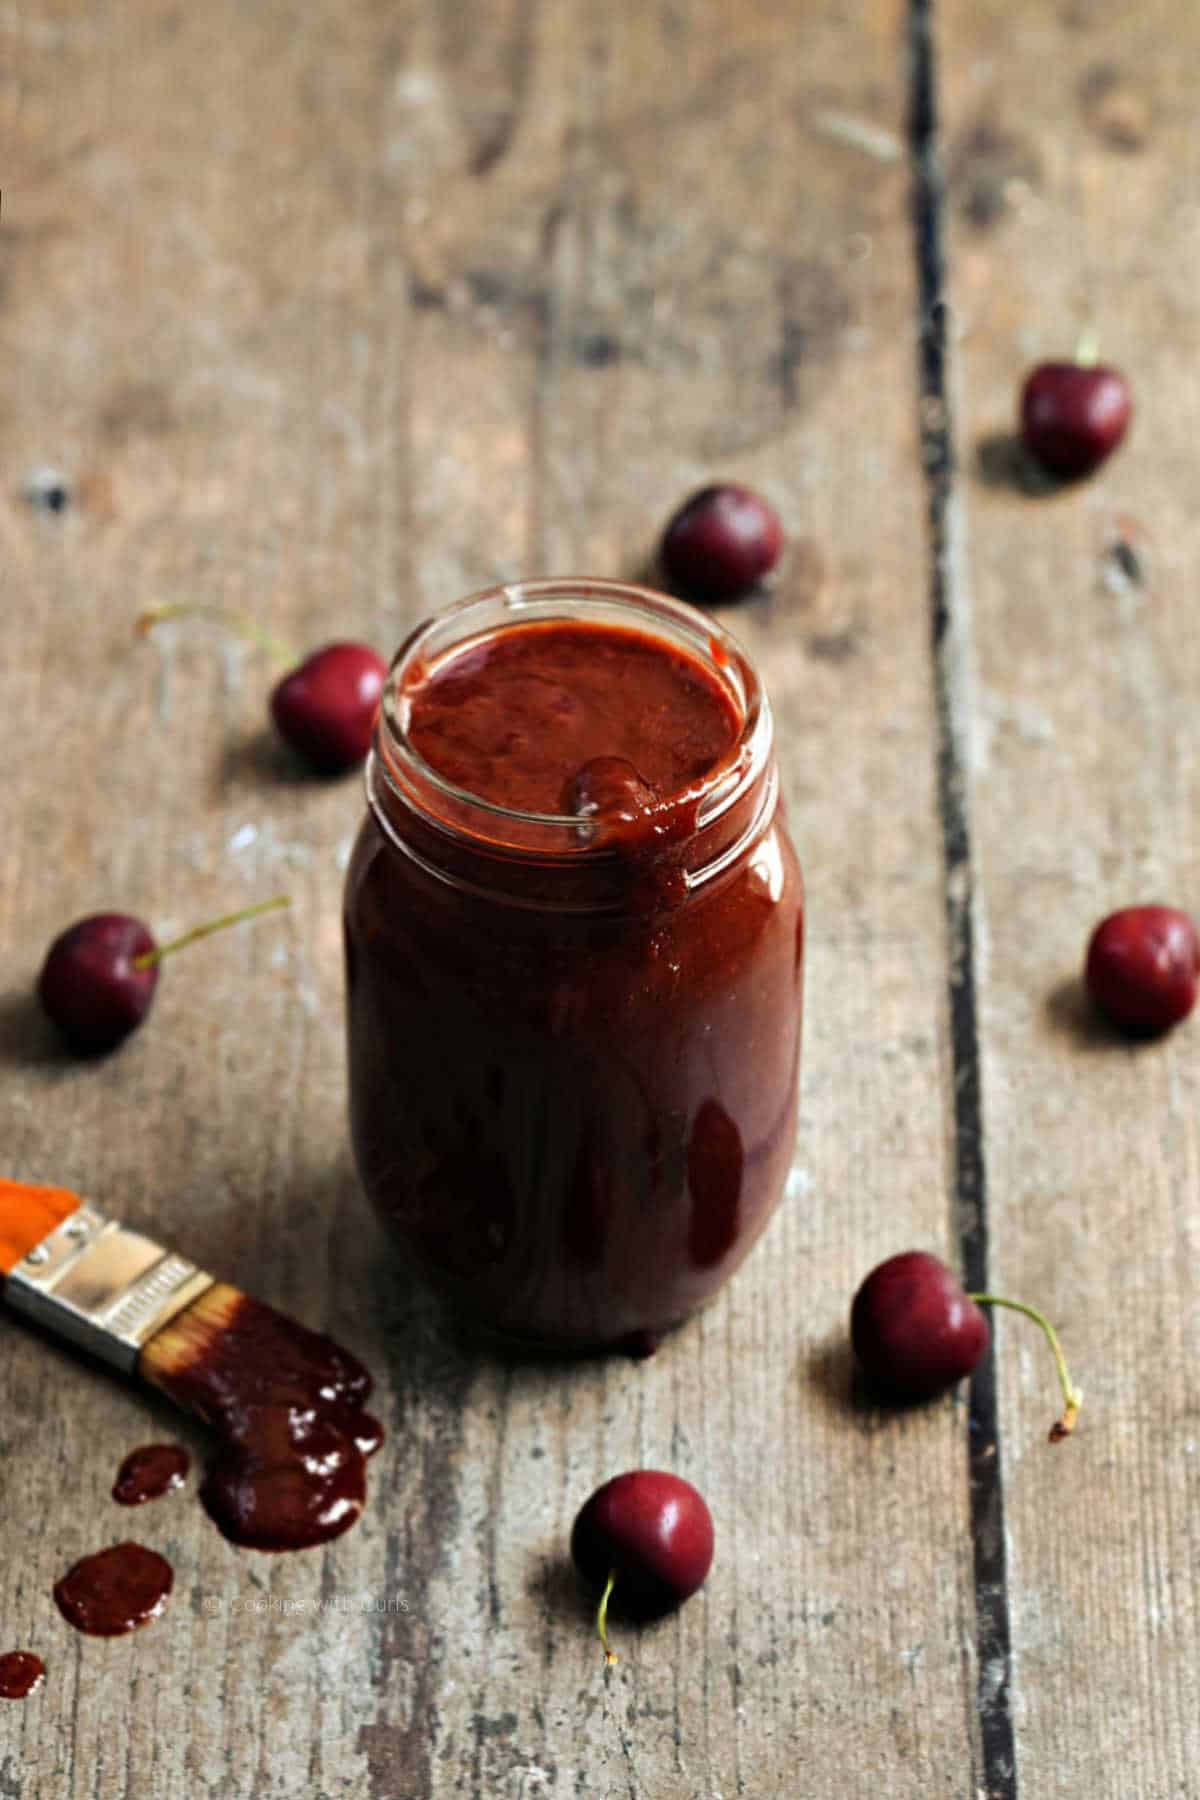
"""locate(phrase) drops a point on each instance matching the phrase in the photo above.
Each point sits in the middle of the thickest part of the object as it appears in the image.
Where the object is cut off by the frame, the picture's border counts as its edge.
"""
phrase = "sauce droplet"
(150, 1472)
(115, 1590)
(20, 1673)
(607, 788)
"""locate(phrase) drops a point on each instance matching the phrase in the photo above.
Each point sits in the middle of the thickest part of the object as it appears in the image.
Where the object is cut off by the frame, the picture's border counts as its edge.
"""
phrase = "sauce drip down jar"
(573, 1036)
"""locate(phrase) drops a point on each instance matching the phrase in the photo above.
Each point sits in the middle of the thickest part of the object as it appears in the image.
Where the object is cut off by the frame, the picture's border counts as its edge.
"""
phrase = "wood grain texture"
(1073, 170)
(333, 314)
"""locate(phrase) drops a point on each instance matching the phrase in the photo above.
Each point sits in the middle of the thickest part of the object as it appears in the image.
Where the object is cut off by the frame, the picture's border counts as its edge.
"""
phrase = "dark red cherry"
(720, 542)
(100, 974)
(914, 1330)
(91, 983)
(1073, 415)
(325, 708)
(1141, 968)
(646, 1539)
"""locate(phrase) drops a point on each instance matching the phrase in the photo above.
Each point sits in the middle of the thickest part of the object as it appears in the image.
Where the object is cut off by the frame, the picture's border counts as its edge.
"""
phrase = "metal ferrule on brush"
(102, 1286)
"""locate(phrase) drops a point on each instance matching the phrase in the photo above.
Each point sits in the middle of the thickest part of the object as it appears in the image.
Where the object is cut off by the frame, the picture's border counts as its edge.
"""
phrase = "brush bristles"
(189, 1336)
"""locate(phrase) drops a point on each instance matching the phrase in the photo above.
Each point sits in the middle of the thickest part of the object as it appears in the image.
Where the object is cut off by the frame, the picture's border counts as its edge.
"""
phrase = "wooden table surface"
(333, 313)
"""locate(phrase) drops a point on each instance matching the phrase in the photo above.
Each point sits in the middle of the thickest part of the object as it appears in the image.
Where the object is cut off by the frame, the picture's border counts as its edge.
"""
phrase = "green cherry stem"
(1072, 1396)
(1087, 349)
(149, 957)
(238, 623)
(610, 1656)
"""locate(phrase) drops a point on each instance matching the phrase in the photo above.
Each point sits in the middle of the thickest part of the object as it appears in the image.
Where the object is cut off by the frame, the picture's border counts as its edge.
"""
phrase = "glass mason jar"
(574, 1057)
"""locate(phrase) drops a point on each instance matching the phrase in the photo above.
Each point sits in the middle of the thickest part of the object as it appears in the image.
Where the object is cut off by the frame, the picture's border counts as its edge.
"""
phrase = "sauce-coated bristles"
(189, 1335)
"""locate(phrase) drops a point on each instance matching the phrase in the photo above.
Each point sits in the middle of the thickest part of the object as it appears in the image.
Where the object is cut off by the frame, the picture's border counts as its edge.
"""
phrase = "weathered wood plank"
(1073, 167)
(332, 317)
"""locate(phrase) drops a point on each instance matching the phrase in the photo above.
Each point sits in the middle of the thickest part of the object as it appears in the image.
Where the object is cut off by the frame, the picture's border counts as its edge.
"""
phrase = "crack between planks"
(996, 1744)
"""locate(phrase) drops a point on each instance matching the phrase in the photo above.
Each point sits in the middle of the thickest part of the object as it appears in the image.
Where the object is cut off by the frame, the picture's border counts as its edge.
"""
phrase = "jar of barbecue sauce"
(574, 952)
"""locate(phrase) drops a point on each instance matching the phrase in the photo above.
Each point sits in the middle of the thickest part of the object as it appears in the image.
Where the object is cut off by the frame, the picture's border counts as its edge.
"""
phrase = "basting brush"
(284, 1403)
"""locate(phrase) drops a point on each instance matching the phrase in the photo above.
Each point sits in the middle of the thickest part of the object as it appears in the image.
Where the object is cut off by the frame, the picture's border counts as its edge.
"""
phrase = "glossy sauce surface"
(150, 1472)
(576, 1118)
(21, 1672)
(514, 717)
(115, 1590)
(288, 1465)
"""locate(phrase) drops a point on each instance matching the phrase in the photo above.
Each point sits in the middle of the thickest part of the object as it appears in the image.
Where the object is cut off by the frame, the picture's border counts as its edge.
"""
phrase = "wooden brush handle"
(27, 1215)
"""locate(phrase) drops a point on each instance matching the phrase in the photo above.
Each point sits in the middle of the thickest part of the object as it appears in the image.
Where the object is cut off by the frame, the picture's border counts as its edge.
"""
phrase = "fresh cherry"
(95, 982)
(1073, 415)
(324, 707)
(720, 542)
(645, 1539)
(916, 1332)
(99, 976)
(1141, 968)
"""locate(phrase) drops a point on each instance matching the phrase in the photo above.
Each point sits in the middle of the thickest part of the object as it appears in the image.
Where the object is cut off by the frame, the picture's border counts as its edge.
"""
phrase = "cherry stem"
(1072, 1396)
(610, 1656)
(149, 957)
(238, 623)
(1087, 349)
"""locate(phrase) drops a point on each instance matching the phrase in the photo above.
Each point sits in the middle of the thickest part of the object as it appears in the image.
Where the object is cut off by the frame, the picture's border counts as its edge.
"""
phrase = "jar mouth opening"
(463, 812)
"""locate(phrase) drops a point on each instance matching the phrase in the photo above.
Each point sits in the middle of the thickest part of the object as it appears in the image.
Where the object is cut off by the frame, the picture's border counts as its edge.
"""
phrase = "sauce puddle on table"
(115, 1590)
(150, 1472)
(21, 1673)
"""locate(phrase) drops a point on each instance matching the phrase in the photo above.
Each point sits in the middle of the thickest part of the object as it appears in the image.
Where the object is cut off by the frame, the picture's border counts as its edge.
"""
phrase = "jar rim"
(509, 603)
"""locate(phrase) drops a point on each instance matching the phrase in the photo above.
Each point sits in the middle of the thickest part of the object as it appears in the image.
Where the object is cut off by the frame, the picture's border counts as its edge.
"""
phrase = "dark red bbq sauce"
(573, 1089)
(20, 1673)
(288, 1468)
(115, 1590)
(515, 716)
(150, 1472)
